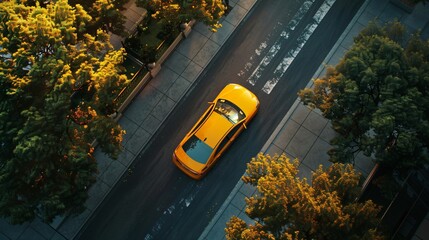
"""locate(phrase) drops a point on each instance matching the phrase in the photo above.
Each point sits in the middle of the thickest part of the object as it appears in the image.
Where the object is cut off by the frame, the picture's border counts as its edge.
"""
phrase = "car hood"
(242, 97)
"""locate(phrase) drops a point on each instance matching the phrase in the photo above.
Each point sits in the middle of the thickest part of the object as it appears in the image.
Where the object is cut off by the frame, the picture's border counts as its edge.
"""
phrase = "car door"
(227, 140)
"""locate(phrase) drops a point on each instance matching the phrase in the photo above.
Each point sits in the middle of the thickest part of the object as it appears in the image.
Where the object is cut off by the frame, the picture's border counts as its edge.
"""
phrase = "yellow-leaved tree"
(58, 86)
(287, 207)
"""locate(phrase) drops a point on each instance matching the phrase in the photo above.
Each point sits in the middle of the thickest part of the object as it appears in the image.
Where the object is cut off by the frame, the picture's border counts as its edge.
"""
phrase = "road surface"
(274, 52)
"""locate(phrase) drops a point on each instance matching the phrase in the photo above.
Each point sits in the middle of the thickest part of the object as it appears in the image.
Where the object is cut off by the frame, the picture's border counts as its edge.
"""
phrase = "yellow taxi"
(226, 117)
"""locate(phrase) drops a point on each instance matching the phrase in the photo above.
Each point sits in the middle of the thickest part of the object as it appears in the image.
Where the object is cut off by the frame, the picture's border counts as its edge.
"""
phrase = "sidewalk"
(302, 133)
(305, 133)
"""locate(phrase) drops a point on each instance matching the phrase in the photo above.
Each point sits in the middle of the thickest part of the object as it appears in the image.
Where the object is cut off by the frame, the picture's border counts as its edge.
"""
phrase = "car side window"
(221, 145)
(233, 131)
(228, 138)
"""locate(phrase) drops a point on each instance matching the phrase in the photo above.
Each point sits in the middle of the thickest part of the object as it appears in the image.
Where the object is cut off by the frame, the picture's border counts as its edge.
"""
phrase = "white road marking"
(290, 56)
(256, 74)
(267, 59)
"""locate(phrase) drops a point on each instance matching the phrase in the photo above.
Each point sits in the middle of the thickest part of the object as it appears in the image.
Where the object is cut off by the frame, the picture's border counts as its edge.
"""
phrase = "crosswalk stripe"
(290, 56)
(257, 73)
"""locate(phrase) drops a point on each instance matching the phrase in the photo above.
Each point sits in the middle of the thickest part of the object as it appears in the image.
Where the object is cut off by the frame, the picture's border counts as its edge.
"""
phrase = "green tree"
(377, 98)
(178, 11)
(287, 207)
(57, 87)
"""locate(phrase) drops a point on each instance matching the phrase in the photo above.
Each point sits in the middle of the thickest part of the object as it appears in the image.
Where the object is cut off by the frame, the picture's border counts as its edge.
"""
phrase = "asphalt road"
(154, 200)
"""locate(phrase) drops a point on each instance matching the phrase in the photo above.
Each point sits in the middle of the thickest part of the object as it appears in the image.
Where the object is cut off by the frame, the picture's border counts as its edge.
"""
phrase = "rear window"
(197, 149)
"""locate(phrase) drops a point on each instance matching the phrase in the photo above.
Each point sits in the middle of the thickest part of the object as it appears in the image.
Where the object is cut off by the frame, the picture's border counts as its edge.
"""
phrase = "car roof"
(213, 129)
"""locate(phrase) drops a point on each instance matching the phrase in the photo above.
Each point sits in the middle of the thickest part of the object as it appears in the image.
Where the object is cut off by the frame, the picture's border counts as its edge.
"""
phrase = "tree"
(105, 14)
(57, 86)
(287, 207)
(377, 98)
(179, 11)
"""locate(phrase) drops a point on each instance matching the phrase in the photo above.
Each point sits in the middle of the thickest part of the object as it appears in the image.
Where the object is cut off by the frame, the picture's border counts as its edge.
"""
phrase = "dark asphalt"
(154, 200)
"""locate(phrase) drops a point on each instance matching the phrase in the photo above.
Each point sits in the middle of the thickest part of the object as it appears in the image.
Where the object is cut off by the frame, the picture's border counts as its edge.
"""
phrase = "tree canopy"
(105, 14)
(377, 98)
(58, 85)
(178, 11)
(287, 207)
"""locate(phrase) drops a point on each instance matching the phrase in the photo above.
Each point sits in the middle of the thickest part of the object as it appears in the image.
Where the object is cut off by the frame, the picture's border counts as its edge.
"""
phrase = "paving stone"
(30, 233)
(143, 104)
(137, 141)
(337, 56)
(365, 18)
(96, 194)
(129, 126)
(126, 157)
(58, 236)
(178, 88)
(103, 161)
(12, 231)
(113, 173)
(285, 135)
(56, 222)
(328, 133)
(42, 228)
(129, 25)
(203, 29)
(132, 15)
(163, 108)
(391, 12)
(151, 124)
(246, 4)
(223, 33)
(192, 45)
(236, 15)
(206, 53)
(318, 155)
(300, 113)
(301, 143)
(274, 150)
(177, 62)
(376, 6)
(315, 123)
(247, 189)
(192, 71)
(349, 39)
(71, 226)
(239, 201)
(419, 18)
(164, 80)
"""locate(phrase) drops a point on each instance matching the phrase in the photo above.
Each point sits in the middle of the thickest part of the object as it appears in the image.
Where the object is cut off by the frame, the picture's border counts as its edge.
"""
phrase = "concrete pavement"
(302, 133)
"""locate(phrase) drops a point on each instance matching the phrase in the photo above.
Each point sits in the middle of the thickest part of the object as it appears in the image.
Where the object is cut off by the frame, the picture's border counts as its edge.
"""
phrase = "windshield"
(229, 111)
(197, 149)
